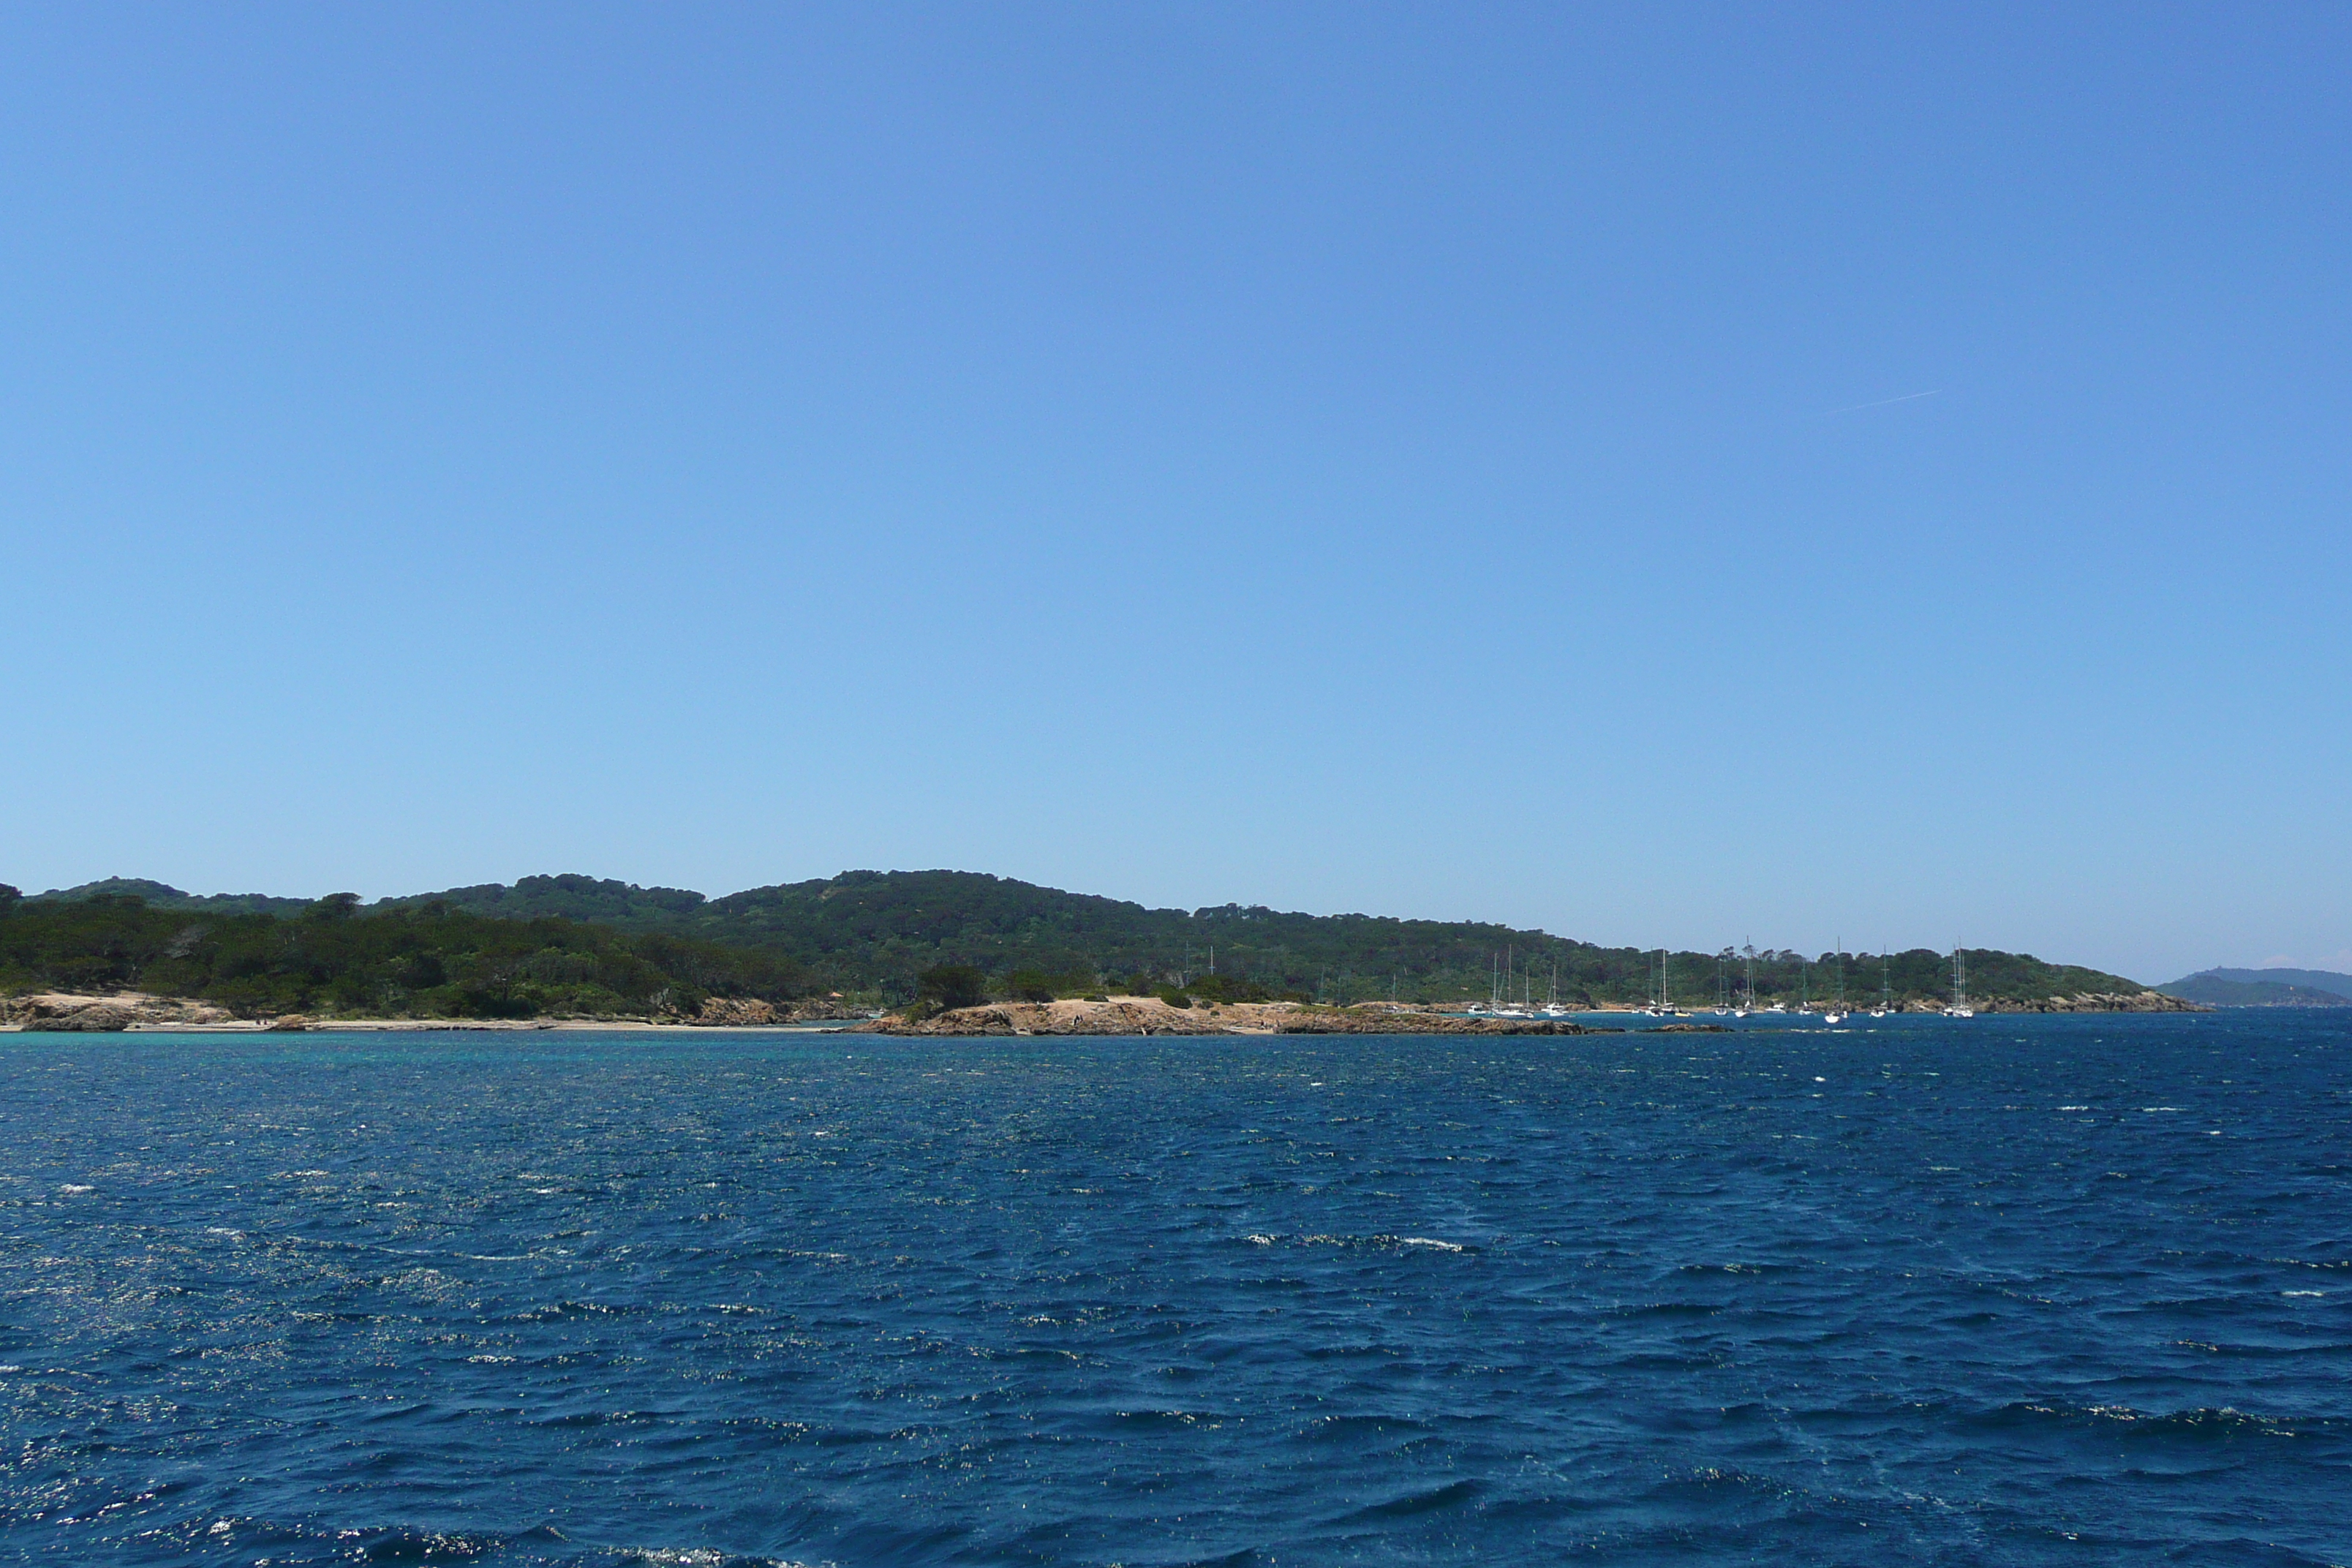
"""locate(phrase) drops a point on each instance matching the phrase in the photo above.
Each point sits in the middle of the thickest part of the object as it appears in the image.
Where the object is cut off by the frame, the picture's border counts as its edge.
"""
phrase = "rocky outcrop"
(65, 1012)
(750, 1012)
(822, 1010)
(1353, 1021)
(1136, 1016)
(97, 1018)
(2094, 1002)
(735, 1012)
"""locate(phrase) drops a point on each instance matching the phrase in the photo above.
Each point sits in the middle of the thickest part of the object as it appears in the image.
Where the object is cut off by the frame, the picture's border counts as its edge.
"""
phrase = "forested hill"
(867, 928)
(870, 934)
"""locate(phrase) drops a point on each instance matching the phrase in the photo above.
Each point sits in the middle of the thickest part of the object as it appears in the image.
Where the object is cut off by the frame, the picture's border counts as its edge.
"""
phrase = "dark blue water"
(2067, 1290)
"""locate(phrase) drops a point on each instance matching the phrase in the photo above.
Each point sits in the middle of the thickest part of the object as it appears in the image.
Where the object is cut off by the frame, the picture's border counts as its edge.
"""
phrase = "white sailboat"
(1959, 1007)
(1836, 1013)
(1885, 989)
(1551, 1007)
(1508, 1009)
(1666, 1007)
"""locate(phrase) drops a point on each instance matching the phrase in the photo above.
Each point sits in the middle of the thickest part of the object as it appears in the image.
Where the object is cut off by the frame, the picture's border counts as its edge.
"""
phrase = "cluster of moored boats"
(1661, 1003)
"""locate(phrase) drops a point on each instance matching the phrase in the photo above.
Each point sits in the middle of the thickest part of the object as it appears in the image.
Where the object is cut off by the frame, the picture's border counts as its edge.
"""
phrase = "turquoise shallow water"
(2065, 1290)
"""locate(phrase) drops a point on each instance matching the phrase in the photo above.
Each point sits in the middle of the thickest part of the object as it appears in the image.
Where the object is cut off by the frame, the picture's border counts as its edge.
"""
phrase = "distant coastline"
(2264, 988)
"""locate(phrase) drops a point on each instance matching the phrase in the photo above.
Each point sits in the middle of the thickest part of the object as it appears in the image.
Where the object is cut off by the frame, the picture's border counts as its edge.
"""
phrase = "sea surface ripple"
(2068, 1290)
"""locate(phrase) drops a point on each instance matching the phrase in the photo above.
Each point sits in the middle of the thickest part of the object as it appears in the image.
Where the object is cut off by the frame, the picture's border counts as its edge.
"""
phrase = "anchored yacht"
(1959, 1007)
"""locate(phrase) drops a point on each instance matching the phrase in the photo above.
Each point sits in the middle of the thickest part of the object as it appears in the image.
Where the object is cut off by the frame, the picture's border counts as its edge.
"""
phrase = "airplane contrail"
(1883, 402)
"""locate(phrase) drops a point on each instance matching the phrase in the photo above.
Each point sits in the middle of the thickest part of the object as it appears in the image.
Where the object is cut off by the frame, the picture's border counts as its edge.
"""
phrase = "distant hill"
(162, 896)
(2310, 979)
(871, 933)
(566, 898)
(2263, 988)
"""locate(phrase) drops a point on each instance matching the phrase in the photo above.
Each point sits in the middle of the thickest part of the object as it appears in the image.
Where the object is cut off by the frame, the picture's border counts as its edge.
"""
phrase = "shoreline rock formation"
(70, 1013)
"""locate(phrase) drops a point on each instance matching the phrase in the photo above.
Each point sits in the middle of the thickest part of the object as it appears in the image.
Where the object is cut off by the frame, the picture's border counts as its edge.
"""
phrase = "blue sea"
(2015, 1290)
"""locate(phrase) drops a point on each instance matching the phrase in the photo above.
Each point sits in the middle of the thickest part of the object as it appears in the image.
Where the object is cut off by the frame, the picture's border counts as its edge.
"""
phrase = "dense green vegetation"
(430, 962)
(570, 898)
(873, 935)
(164, 897)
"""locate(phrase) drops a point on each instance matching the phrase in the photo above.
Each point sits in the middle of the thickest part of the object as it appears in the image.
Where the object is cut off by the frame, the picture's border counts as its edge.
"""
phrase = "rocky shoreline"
(72, 1013)
(60, 1012)
(1150, 1015)
(2096, 1002)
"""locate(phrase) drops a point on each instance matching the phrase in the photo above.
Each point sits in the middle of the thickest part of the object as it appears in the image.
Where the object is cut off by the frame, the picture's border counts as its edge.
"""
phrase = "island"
(901, 952)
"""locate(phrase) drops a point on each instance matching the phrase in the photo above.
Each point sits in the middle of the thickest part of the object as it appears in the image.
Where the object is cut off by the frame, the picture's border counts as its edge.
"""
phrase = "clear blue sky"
(1436, 460)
